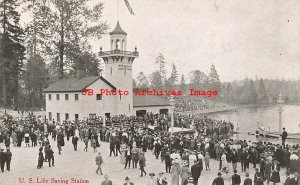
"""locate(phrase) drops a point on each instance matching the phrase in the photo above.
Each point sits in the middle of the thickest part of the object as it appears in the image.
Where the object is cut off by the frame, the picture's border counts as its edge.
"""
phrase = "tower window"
(117, 44)
(129, 106)
(111, 70)
(120, 97)
(123, 44)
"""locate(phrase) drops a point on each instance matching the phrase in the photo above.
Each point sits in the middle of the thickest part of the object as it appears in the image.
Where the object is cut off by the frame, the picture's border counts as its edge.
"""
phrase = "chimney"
(81, 74)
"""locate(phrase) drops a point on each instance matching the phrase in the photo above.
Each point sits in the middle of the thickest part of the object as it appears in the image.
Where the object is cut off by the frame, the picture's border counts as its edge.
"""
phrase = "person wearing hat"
(152, 180)
(99, 162)
(134, 156)
(184, 173)
(41, 158)
(219, 180)
(2, 159)
(235, 178)
(283, 136)
(247, 181)
(127, 181)
(196, 170)
(8, 156)
(142, 163)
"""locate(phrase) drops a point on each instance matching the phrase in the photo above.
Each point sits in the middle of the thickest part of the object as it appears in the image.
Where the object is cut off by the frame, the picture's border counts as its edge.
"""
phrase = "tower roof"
(118, 30)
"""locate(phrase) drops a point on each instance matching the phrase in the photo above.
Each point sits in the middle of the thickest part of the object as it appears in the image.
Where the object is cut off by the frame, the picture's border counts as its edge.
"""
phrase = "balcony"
(118, 52)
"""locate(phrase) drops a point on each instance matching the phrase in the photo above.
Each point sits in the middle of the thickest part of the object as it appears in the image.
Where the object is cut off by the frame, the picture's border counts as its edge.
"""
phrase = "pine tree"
(173, 78)
(12, 50)
(142, 81)
(36, 79)
(156, 80)
(262, 93)
(182, 85)
(214, 80)
(198, 79)
(252, 96)
(160, 59)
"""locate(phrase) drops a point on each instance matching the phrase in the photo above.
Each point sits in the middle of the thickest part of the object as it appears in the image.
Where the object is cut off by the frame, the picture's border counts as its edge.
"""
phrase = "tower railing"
(117, 51)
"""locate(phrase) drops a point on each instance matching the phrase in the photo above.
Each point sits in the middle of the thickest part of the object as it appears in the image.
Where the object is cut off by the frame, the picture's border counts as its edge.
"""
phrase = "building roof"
(118, 30)
(149, 101)
(74, 84)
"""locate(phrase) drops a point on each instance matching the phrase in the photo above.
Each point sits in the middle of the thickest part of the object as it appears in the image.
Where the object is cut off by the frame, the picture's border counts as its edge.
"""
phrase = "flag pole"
(118, 2)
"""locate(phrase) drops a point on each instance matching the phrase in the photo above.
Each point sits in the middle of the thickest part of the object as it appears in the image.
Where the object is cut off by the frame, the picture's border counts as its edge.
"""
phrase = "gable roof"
(74, 84)
(148, 101)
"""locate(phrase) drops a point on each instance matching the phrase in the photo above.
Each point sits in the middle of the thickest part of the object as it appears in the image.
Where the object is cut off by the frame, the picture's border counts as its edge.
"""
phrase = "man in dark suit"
(247, 181)
(219, 180)
(196, 170)
(259, 180)
(2, 159)
(127, 158)
(283, 136)
(235, 179)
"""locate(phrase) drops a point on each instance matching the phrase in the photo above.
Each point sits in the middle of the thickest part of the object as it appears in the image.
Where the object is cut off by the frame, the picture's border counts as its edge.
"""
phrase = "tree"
(262, 93)
(156, 80)
(214, 80)
(252, 93)
(142, 81)
(71, 24)
(198, 79)
(12, 50)
(182, 85)
(173, 78)
(86, 61)
(160, 59)
(36, 79)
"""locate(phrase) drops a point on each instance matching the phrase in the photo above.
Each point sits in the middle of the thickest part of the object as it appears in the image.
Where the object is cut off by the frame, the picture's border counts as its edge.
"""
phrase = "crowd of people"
(185, 154)
(190, 104)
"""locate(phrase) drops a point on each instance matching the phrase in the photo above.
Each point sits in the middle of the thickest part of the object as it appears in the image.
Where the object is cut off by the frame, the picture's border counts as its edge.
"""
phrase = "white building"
(67, 100)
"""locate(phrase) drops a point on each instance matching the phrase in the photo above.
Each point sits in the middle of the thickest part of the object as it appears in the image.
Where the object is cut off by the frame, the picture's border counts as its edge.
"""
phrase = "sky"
(241, 38)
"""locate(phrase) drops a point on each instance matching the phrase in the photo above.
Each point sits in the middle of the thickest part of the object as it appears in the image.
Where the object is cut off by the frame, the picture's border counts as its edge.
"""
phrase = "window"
(120, 97)
(67, 116)
(50, 116)
(99, 97)
(118, 44)
(76, 117)
(111, 70)
(57, 96)
(76, 97)
(66, 96)
(123, 44)
(49, 96)
(58, 117)
(129, 106)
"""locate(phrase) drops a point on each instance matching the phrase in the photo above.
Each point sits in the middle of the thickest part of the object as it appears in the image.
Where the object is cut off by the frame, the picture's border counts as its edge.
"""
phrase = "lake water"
(268, 117)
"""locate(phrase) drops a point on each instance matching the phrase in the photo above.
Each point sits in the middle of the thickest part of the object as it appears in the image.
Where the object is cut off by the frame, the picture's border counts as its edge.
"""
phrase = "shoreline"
(228, 108)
